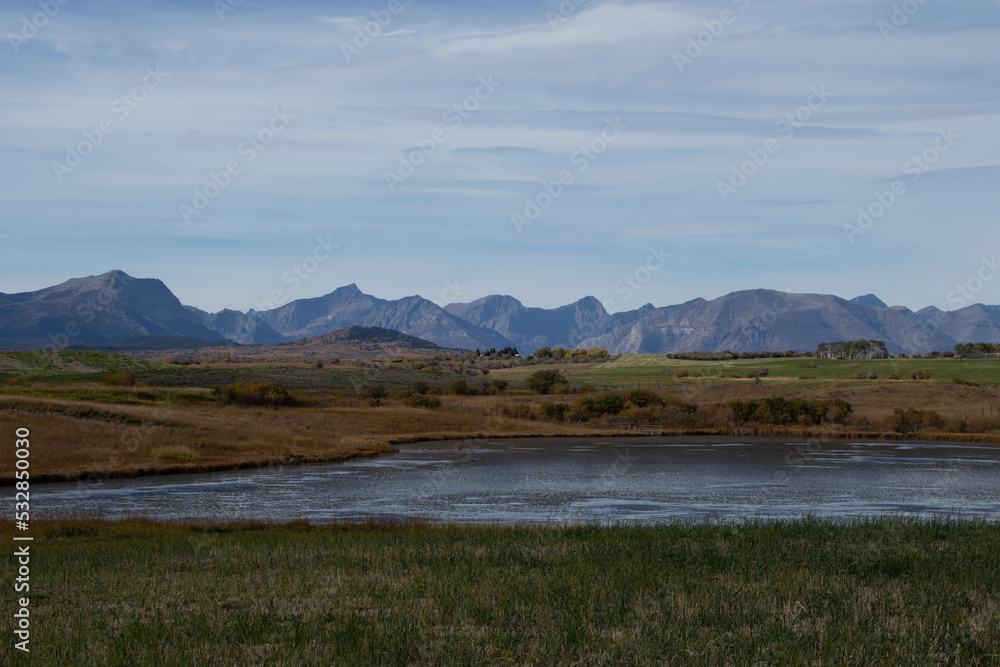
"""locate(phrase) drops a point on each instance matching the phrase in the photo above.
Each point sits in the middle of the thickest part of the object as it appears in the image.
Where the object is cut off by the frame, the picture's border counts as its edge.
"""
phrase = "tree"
(543, 381)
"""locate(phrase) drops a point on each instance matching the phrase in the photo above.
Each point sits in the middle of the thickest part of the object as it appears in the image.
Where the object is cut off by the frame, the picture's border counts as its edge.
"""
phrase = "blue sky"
(739, 137)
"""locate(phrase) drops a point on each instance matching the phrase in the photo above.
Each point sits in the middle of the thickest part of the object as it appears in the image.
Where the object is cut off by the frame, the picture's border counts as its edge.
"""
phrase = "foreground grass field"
(886, 592)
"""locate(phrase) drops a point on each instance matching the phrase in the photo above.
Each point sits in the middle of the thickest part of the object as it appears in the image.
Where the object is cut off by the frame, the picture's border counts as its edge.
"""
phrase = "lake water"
(640, 479)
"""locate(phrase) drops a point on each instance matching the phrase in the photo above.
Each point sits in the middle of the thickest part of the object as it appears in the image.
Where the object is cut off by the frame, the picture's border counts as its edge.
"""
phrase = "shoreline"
(391, 443)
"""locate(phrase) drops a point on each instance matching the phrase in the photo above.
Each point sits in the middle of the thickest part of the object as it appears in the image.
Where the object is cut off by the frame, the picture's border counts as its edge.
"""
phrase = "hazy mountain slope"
(99, 310)
(243, 328)
(531, 328)
(115, 307)
(766, 320)
(972, 324)
(348, 306)
(869, 300)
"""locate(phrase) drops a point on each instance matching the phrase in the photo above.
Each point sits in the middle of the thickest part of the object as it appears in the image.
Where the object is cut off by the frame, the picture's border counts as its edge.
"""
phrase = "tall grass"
(871, 592)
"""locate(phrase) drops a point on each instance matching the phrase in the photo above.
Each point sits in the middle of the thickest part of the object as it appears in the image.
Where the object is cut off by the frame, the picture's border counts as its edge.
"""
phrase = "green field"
(886, 592)
(652, 368)
(625, 370)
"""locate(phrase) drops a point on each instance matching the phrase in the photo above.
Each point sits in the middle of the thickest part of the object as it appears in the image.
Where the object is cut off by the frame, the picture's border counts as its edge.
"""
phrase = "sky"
(251, 153)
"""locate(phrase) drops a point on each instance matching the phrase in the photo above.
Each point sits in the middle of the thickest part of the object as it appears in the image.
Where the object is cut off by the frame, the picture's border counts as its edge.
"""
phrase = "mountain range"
(99, 311)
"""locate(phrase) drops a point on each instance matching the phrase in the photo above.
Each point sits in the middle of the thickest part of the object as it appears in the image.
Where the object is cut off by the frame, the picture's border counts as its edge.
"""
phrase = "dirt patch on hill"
(56, 361)
(75, 366)
(7, 363)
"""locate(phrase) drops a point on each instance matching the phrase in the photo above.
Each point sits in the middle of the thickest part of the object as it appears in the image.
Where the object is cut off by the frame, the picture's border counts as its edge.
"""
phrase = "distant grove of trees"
(505, 353)
(727, 355)
(977, 349)
(559, 354)
(853, 349)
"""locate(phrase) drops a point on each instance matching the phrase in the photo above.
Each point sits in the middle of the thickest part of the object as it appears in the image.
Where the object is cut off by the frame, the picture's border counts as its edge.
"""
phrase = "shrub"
(498, 386)
(642, 398)
(864, 376)
(589, 408)
(251, 393)
(460, 387)
(517, 411)
(120, 380)
(920, 374)
(543, 381)
(761, 372)
(421, 387)
(782, 411)
(16, 381)
(907, 420)
(806, 376)
(376, 392)
(894, 376)
(423, 401)
(555, 411)
(682, 373)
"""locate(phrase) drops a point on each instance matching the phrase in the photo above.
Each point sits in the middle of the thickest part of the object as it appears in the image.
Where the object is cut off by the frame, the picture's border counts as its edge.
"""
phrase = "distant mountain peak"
(869, 300)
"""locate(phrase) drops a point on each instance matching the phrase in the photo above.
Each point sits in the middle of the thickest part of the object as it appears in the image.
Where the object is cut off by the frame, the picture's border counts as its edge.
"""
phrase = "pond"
(578, 480)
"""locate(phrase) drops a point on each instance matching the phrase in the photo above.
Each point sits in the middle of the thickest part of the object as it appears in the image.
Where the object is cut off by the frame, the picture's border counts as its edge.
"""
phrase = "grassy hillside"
(67, 366)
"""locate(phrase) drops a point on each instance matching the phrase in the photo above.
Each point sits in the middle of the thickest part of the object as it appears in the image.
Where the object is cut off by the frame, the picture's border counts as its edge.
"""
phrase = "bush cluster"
(120, 380)
(251, 393)
(782, 411)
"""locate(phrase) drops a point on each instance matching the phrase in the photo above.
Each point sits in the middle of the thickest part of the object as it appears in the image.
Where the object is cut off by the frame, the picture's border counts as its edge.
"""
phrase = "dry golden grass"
(76, 440)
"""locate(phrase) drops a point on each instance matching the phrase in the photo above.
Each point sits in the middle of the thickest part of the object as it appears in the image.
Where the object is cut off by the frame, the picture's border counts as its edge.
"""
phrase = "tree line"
(852, 349)
(977, 349)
